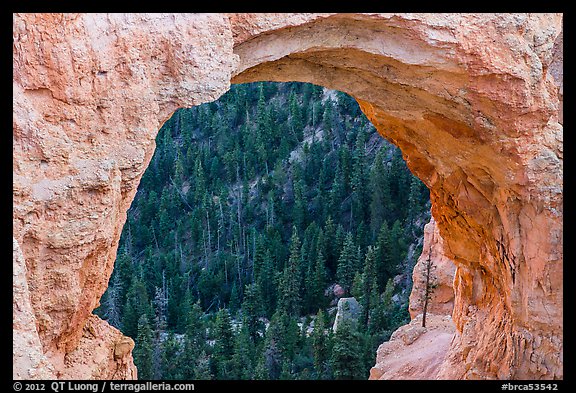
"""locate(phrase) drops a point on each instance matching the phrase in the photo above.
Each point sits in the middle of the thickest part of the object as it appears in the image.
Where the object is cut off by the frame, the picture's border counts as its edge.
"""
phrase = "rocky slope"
(415, 352)
(473, 101)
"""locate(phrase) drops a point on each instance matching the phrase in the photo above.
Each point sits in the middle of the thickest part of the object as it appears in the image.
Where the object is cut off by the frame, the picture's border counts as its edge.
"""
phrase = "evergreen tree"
(289, 288)
(319, 345)
(377, 322)
(296, 120)
(252, 310)
(112, 302)
(143, 351)
(359, 180)
(223, 346)
(169, 358)
(318, 281)
(243, 358)
(385, 256)
(137, 305)
(368, 284)
(235, 301)
(193, 361)
(347, 263)
(380, 199)
(273, 358)
(346, 356)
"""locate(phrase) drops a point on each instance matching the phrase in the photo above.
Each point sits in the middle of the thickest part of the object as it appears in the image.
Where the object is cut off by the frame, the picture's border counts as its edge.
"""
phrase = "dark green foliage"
(347, 264)
(251, 208)
(346, 360)
(289, 299)
(223, 349)
(143, 351)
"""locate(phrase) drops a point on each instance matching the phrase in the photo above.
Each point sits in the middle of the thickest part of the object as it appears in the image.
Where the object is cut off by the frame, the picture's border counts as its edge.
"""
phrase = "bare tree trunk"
(428, 288)
(426, 292)
(155, 240)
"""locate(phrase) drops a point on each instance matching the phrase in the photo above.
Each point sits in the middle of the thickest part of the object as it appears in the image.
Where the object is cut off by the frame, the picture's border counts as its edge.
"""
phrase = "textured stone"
(28, 360)
(348, 312)
(474, 101)
(414, 352)
(442, 276)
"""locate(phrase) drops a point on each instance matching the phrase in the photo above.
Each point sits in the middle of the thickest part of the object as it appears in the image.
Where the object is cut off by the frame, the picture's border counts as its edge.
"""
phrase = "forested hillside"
(252, 209)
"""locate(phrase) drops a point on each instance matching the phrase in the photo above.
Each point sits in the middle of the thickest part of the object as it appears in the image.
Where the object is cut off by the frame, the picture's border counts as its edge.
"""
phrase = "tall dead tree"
(429, 282)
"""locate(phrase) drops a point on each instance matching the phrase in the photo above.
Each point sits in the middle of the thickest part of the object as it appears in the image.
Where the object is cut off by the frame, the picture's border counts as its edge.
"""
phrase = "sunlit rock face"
(473, 101)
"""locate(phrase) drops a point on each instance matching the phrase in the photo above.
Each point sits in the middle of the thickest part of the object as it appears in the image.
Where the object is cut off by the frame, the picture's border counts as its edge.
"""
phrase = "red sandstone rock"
(473, 101)
(442, 276)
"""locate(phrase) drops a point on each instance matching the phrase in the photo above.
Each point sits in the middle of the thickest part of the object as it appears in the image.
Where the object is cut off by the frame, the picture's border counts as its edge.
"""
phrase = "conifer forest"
(257, 212)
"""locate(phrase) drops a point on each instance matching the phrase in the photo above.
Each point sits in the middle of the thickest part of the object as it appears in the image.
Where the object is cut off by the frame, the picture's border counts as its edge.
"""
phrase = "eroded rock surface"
(441, 276)
(473, 100)
(413, 351)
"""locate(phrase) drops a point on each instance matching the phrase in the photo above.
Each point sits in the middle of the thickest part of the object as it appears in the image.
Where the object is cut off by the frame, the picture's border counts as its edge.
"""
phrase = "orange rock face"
(473, 101)
(441, 276)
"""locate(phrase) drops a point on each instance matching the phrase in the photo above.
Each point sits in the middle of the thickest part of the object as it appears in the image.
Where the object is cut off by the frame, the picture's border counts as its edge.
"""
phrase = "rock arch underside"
(473, 101)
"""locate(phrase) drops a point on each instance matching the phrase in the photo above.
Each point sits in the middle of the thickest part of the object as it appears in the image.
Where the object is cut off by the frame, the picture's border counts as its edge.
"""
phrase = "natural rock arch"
(473, 101)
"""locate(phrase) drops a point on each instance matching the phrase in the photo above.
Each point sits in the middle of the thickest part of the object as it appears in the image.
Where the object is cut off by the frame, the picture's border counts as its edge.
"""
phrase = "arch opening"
(473, 101)
(239, 190)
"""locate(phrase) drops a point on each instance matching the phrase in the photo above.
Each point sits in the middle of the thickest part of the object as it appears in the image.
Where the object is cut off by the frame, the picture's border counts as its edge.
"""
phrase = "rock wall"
(441, 301)
(474, 101)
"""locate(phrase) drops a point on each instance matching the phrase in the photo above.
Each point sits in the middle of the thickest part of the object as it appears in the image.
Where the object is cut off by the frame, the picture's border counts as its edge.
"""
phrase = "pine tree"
(299, 212)
(359, 180)
(398, 246)
(319, 281)
(143, 351)
(252, 310)
(296, 120)
(346, 356)
(223, 345)
(332, 252)
(377, 322)
(137, 304)
(286, 373)
(169, 358)
(272, 352)
(357, 286)
(338, 191)
(347, 263)
(368, 283)
(242, 361)
(320, 352)
(328, 120)
(429, 283)
(112, 302)
(385, 257)
(289, 289)
(193, 361)
(380, 199)
(234, 304)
